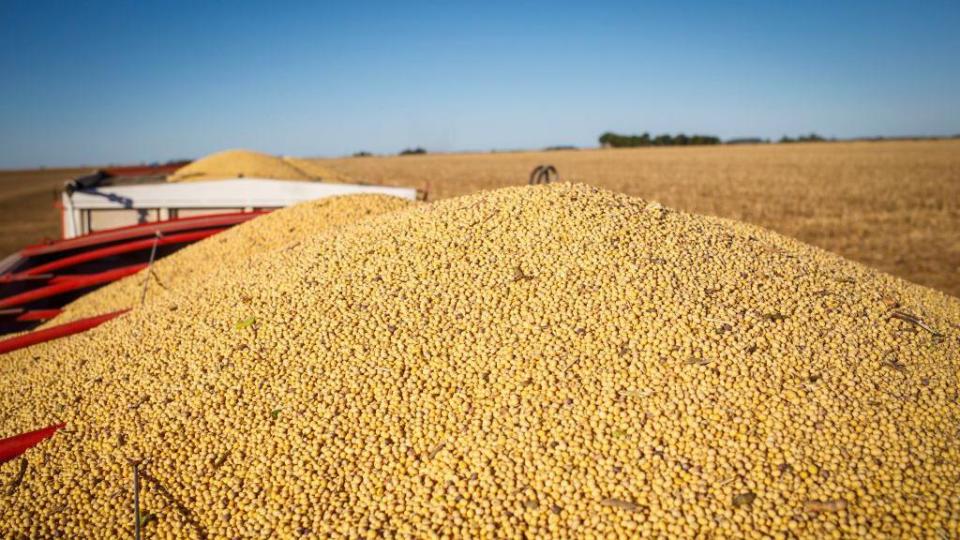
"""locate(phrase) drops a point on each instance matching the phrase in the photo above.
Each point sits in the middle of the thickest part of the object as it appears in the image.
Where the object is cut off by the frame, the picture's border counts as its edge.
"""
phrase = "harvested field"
(27, 214)
(550, 361)
(892, 205)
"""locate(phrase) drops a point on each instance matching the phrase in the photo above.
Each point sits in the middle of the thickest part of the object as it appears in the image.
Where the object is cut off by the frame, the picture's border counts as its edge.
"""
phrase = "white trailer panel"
(102, 207)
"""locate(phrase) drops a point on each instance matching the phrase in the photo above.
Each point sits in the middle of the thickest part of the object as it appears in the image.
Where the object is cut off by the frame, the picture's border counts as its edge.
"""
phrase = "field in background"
(27, 215)
(891, 205)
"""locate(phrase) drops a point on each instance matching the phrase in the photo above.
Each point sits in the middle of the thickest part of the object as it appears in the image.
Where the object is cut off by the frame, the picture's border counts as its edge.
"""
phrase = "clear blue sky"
(107, 82)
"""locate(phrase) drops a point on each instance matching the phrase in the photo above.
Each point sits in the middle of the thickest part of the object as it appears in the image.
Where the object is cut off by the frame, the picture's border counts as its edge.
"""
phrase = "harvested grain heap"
(182, 271)
(248, 164)
(552, 360)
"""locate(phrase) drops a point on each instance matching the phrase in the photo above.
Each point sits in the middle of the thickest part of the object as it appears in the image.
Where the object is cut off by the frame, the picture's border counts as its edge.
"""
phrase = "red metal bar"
(10, 278)
(141, 230)
(21, 314)
(13, 447)
(39, 315)
(59, 331)
(64, 284)
(67, 278)
(127, 247)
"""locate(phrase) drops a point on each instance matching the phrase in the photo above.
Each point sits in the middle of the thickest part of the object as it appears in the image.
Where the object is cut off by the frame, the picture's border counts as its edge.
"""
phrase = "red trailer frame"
(37, 272)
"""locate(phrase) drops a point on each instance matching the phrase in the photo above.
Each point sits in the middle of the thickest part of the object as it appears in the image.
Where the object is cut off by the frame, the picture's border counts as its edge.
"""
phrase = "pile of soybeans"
(229, 251)
(248, 164)
(543, 361)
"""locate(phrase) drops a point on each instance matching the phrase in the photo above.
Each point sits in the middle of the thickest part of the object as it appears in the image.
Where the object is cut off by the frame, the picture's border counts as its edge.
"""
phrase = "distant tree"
(812, 137)
(362, 153)
(560, 147)
(412, 151)
(747, 140)
(613, 140)
(704, 139)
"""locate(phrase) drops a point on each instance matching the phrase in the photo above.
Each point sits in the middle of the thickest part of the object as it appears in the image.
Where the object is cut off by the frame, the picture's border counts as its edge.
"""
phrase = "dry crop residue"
(546, 361)
(231, 250)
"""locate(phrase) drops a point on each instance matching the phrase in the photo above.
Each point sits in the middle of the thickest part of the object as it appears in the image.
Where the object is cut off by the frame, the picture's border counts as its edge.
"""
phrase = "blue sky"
(96, 82)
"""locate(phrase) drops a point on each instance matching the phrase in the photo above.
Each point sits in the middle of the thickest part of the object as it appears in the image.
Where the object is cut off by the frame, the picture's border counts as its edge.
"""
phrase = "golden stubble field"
(892, 205)
(27, 213)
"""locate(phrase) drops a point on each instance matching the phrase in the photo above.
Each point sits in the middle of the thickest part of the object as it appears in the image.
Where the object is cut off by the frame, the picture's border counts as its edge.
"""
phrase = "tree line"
(615, 140)
(813, 137)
